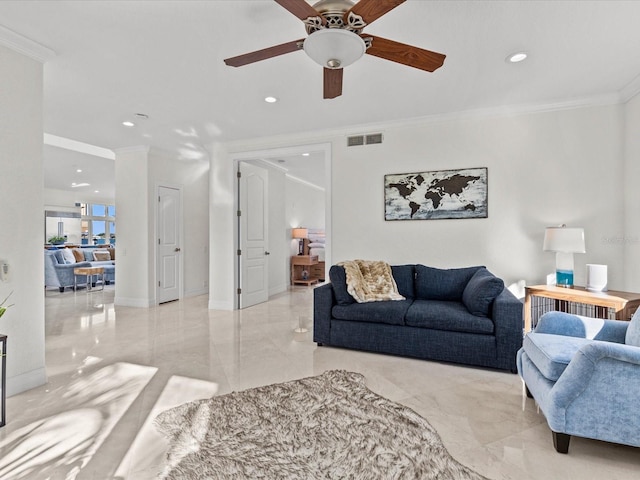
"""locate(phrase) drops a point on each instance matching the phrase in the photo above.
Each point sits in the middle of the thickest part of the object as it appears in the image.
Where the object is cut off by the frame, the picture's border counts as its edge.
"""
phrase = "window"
(98, 224)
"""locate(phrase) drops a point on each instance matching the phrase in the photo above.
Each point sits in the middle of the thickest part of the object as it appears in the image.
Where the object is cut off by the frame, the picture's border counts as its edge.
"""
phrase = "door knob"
(267, 253)
(177, 249)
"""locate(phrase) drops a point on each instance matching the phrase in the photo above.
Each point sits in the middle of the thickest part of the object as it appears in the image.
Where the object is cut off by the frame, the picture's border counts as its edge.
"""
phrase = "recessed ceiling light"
(76, 185)
(96, 191)
(305, 154)
(270, 99)
(128, 124)
(517, 57)
(79, 170)
(142, 115)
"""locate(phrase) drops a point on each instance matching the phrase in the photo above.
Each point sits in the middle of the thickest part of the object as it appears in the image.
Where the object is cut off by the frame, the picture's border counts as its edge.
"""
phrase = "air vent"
(373, 138)
(369, 139)
(355, 141)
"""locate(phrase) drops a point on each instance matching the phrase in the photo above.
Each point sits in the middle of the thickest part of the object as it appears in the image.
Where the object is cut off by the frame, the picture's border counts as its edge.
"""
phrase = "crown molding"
(505, 111)
(25, 46)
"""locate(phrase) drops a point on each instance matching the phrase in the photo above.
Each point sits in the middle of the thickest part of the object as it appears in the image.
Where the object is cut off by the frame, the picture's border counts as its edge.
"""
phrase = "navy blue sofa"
(461, 315)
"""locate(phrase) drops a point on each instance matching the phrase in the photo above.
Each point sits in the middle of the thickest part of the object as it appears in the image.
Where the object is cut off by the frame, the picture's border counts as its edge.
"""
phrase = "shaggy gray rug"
(330, 426)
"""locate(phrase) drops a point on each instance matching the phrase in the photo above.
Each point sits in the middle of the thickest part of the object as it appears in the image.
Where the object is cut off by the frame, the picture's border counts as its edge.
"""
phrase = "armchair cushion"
(552, 353)
(633, 330)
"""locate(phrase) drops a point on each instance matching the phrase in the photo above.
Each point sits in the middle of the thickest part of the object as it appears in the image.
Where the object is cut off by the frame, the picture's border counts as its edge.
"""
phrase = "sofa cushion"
(633, 330)
(390, 312)
(404, 275)
(101, 256)
(77, 254)
(437, 284)
(552, 353)
(68, 256)
(338, 278)
(481, 291)
(448, 316)
(88, 254)
(58, 257)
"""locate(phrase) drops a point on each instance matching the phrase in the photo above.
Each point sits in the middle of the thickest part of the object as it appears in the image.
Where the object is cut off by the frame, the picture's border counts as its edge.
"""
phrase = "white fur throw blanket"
(370, 281)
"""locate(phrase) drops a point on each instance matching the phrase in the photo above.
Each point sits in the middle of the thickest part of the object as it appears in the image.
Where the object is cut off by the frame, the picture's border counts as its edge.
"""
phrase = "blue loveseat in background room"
(59, 265)
(461, 315)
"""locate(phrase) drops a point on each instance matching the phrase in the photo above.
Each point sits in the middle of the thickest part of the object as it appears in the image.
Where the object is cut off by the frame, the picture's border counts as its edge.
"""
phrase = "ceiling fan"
(336, 40)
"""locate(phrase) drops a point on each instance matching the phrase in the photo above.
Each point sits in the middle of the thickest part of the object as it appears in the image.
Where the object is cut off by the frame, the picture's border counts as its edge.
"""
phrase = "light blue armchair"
(584, 373)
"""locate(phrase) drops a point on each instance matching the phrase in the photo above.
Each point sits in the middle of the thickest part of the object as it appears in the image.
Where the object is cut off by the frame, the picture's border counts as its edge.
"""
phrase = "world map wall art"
(436, 195)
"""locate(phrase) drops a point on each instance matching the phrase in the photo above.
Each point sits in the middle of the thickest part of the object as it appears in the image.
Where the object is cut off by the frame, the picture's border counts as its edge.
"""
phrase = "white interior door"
(169, 245)
(254, 267)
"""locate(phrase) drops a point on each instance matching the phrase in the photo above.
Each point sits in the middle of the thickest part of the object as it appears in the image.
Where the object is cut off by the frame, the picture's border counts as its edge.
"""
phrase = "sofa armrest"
(560, 323)
(599, 376)
(508, 320)
(69, 267)
(65, 272)
(323, 302)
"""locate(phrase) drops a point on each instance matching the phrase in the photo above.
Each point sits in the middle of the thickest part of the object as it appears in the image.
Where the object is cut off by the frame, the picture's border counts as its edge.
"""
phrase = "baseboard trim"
(278, 289)
(196, 293)
(133, 302)
(220, 305)
(26, 381)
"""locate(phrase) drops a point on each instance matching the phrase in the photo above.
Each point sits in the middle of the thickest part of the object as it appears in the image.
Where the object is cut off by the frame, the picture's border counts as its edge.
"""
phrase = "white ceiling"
(165, 59)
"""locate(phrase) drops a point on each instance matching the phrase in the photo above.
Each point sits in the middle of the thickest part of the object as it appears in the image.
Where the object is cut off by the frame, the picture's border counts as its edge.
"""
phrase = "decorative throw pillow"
(338, 278)
(68, 255)
(442, 284)
(633, 330)
(481, 291)
(101, 256)
(79, 256)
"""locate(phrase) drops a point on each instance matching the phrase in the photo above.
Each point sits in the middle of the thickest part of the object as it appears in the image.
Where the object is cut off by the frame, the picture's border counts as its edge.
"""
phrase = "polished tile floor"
(111, 369)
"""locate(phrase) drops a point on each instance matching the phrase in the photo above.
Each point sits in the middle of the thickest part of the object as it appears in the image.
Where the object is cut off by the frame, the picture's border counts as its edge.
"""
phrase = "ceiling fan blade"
(405, 54)
(371, 10)
(299, 8)
(265, 53)
(332, 82)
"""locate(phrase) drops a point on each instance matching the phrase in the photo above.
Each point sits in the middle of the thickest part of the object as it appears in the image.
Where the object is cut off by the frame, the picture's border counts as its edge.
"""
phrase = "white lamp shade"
(564, 239)
(334, 47)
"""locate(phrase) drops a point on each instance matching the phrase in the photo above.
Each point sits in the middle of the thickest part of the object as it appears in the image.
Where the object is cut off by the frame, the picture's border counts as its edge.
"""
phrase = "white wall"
(305, 205)
(631, 239)
(544, 169)
(21, 218)
(222, 232)
(133, 282)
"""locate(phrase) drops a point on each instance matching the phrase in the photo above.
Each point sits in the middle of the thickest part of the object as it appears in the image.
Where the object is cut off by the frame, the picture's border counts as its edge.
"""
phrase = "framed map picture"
(436, 195)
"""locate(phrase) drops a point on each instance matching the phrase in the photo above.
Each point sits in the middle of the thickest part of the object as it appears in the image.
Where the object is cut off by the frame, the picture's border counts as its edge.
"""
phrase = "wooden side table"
(88, 272)
(612, 303)
(299, 263)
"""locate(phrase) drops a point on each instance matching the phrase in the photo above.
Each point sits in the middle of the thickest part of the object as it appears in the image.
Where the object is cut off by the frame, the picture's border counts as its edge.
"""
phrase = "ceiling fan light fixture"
(334, 48)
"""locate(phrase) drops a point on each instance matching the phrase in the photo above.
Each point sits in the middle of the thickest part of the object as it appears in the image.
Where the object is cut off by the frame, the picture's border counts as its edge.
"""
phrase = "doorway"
(278, 231)
(169, 253)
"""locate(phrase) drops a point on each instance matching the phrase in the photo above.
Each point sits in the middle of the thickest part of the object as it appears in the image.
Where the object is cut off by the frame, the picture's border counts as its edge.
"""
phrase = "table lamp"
(299, 233)
(565, 242)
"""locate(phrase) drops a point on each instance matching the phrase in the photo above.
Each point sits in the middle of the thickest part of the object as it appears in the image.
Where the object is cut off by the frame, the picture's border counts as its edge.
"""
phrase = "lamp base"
(564, 278)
